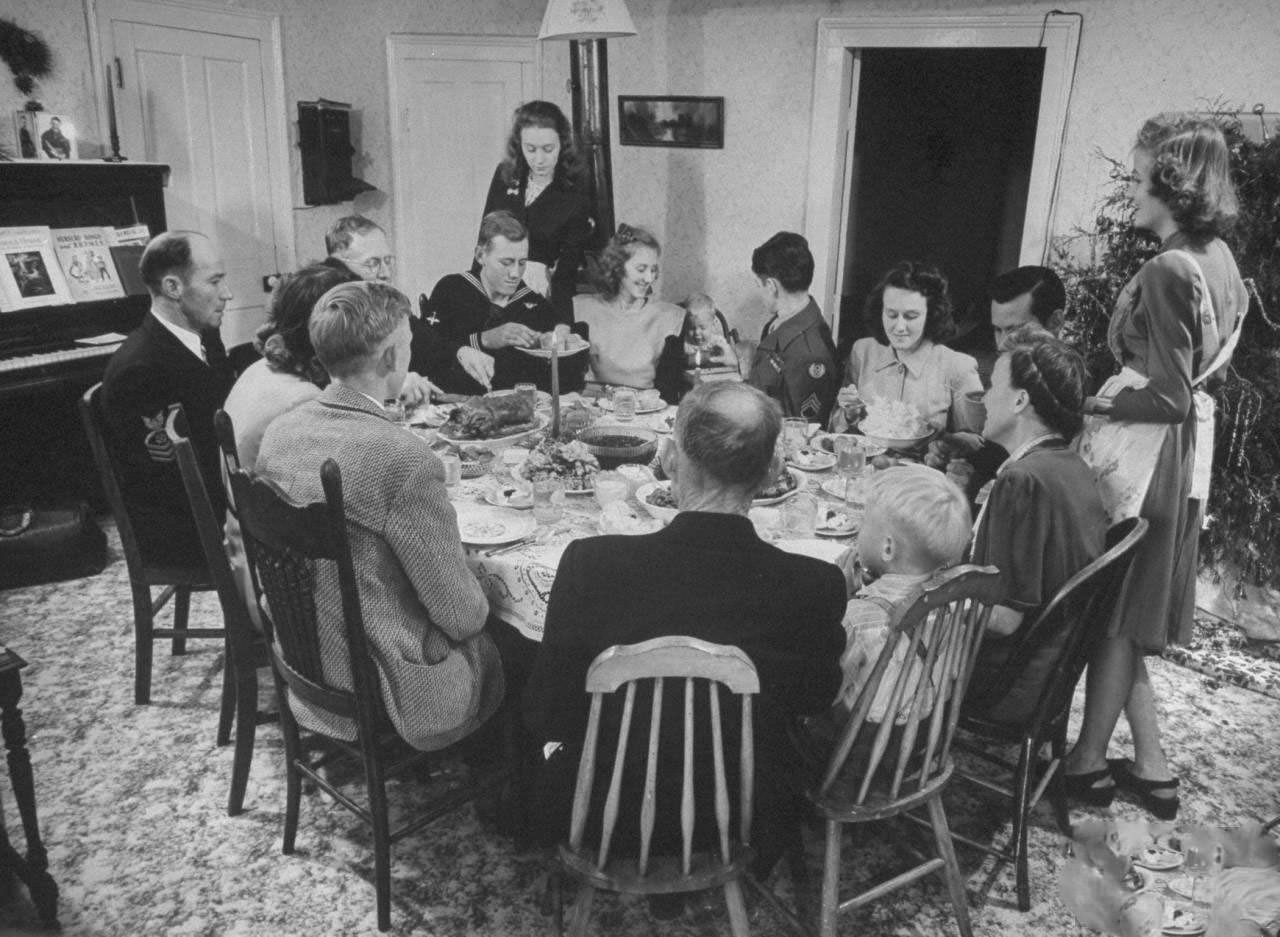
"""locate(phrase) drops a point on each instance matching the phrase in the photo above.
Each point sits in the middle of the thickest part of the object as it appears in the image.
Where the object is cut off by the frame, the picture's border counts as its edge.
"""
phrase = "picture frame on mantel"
(671, 120)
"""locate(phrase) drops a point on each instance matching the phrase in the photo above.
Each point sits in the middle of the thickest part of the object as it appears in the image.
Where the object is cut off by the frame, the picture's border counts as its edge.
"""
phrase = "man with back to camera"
(359, 246)
(174, 357)
(708, 575)
(439, 671)
(795, 363)
(1026, 295)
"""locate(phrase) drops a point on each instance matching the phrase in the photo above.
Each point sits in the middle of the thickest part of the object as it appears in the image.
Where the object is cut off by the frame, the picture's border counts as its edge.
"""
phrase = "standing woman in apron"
(1166, 330)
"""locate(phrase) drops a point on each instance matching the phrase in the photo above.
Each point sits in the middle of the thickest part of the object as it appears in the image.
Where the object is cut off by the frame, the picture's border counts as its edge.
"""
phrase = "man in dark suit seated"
(475, 323)
(424, 614)
(174, 357)
(707, 575)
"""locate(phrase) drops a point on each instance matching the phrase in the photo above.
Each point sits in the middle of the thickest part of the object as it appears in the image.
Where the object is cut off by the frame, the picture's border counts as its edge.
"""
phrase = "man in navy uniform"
(174, 357)
(795, 363)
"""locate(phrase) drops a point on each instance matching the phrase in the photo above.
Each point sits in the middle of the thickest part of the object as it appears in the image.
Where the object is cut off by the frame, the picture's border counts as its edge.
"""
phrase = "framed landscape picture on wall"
(669, 120)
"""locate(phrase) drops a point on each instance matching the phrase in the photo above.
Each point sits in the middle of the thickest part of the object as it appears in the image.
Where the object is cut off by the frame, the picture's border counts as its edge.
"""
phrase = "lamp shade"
(586, 19)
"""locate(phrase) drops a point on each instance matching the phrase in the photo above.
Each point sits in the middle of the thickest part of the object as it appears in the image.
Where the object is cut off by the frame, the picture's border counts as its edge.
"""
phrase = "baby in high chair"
(706, 334)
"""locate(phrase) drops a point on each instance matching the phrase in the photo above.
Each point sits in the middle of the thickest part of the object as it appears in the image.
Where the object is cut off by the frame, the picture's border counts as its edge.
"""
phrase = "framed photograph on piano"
(30, 275)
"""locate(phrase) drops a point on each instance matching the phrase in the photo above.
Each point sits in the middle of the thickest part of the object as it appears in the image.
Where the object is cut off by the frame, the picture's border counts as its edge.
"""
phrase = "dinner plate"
(577, 345)
(1181, 919)
(811, 459)
(488, 527)
(509, 496)
(1137, 879)
(838, 522)
(1158, 859)
(835, 486)
(827, 443)
(604, 403)
(797, 476)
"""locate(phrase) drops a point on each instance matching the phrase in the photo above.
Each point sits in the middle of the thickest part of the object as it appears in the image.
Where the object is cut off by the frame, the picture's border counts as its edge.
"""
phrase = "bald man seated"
(709, 576)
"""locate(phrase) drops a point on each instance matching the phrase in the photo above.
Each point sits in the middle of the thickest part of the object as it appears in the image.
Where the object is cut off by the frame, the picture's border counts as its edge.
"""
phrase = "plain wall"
(711, 207)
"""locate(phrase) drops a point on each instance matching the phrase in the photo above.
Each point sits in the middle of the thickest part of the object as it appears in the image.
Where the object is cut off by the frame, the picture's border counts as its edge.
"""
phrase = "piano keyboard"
(26, 362)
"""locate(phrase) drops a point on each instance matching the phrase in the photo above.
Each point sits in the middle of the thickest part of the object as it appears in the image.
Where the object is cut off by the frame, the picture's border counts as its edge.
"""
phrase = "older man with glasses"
(360, 247)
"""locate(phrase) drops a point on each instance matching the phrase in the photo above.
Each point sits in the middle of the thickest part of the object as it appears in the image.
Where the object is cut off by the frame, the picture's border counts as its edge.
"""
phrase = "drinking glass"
(794, 430)
(1200, 859)
(610, 486)
(798, 515)
(396, 411)
(851, 458)
(529, 392)
(548, 500)
(452, 468)
(624, 404)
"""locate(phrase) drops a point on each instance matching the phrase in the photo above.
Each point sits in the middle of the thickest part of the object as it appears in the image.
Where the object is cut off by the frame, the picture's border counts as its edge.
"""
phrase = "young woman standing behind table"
(1164, 334)
(541, 182)
(910, 316)
(635, 339)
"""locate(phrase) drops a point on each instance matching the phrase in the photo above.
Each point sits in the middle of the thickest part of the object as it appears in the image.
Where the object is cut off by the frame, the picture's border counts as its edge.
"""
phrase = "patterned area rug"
(132, 809)
(1222, 652)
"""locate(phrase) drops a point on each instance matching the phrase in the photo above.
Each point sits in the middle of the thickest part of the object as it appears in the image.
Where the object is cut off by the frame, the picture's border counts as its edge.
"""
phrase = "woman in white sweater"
(635, 338)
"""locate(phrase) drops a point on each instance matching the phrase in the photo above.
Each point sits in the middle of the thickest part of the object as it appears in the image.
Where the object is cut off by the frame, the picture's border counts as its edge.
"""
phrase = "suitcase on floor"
(49, 545)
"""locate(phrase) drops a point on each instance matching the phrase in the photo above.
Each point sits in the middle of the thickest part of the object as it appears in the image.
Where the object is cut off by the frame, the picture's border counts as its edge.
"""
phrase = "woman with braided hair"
(1043, 520)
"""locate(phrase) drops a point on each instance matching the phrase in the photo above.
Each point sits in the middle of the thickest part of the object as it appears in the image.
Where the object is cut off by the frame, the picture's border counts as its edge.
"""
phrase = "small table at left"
(31, 869)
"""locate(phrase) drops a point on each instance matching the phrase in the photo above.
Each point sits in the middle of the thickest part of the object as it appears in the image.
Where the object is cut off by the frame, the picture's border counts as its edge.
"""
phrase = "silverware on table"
(523, 541)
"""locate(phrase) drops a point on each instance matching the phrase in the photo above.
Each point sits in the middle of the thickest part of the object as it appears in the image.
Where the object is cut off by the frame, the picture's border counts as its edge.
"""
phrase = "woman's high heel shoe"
(1082, 787)
(1144, 789)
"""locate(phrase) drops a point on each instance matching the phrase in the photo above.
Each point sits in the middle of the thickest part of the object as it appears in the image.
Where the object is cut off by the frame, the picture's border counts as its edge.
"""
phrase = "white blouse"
(625, 346)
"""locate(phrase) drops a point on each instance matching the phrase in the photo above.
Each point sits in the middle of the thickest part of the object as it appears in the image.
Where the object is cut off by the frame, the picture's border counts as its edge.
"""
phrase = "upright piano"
(50, 355)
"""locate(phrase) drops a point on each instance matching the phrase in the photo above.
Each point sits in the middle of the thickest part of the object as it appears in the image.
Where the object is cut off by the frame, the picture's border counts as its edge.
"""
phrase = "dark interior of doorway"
(942, 157)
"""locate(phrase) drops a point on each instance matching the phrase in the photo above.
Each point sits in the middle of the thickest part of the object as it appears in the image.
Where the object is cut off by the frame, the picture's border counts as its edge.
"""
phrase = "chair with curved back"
(176, 582)
(880, 770)
(246, 651)
(1072, 622)
(285, 542)
(696, 664)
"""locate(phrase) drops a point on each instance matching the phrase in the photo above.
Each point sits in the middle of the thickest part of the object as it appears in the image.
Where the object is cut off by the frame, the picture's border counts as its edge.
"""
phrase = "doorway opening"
(943, 144)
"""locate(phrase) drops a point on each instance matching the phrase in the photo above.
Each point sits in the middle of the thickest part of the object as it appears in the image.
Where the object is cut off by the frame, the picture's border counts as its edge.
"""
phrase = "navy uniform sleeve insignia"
(817, 370)
(156, 441)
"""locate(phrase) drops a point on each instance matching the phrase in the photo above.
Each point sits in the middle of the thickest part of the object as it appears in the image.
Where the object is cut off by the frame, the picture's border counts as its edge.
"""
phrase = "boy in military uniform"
(795, 363)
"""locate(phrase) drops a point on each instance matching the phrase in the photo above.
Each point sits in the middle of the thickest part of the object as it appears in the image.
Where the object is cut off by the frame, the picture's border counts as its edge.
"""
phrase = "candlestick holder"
(114, 132)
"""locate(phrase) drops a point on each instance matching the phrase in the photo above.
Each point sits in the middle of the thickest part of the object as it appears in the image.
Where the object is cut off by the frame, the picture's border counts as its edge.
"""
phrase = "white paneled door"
(451, 106)
(196, 89)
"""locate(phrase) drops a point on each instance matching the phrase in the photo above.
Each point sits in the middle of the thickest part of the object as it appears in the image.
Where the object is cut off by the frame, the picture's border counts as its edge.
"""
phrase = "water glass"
(452, 468)
(851, 458)
(548, 500)
(610, 486)
(794, 433)
(799, 513)
(624, 404)
(529, 392)
(396, 412)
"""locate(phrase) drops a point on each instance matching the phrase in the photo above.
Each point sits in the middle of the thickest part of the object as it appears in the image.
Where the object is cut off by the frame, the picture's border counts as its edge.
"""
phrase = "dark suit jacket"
(559, 223)
(705, 575)
(146, 376)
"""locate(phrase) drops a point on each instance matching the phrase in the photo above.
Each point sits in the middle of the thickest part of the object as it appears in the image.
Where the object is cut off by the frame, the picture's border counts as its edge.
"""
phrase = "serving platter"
(480, 526)
(509, 435)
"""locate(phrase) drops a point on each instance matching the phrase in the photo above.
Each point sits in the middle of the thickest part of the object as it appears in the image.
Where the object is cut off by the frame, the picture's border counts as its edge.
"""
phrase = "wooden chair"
(176, 582)
(902, 765)
(246, 650)
(1077, 615)
(284, 542)
(652, 662)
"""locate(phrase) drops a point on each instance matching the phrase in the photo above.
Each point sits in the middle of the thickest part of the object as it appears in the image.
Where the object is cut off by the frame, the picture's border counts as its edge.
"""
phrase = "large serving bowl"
(901, 444)
(614, 445)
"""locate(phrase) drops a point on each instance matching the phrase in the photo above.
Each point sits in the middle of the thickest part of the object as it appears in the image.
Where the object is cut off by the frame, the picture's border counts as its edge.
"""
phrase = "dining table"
(517, 577)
